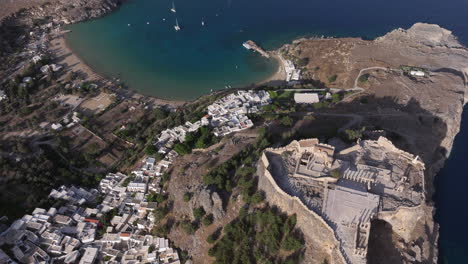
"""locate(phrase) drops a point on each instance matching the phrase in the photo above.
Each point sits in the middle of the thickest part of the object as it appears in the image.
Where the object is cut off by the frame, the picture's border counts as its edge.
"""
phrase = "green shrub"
(256, 237)
(286, 121)
(302, 62)
(208, 220)
(199, 212)
(187, 197)
(188, 227)
(210, 239)
(332, 78)
(150, 150)
(364, 78)
(182, 148)
(290, 243)
(336, 173)
(257, 198)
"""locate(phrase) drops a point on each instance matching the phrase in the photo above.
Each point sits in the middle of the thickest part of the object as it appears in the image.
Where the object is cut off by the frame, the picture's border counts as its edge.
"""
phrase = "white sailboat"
(202, 22)
(173, 7)
(176, 27)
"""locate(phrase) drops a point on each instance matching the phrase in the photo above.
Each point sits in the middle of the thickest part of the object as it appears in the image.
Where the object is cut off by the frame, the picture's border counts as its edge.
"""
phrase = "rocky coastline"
(32, 26)
(401, 100)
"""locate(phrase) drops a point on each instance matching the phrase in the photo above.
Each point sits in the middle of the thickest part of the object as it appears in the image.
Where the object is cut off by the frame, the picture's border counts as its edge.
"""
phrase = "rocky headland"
(420, 114)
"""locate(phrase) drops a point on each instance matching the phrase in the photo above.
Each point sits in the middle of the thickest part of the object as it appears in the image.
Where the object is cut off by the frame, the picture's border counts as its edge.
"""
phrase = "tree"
(161, 230)
(352, 135)
(187, 197)
(364, 78)
(160, 213)
(258, 197)
(211, 239)
(159, 113)
(199, 212)
(182, 149)
(332, 78)
(290, 243)
(335, 173)
(286, 121)
(188, 227)
(150, 149)
(156, 197)
(302, 62)
(208, 220)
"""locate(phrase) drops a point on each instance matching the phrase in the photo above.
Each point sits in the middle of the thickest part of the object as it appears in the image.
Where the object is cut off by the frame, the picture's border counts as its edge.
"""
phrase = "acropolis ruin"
(347, 189)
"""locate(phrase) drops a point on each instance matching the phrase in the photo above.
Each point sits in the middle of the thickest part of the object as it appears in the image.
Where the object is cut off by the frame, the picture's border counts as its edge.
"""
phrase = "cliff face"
(421, 115)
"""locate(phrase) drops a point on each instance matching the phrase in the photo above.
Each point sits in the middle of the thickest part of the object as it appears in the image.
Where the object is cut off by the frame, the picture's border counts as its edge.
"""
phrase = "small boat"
(176, 27)
(147, 23)
(173, 10)
(202, 22)
(164, 19)
(129, 24)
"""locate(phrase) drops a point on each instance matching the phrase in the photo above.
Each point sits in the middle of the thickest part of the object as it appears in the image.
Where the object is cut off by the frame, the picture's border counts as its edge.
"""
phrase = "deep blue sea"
(451, 198)
(155, 60)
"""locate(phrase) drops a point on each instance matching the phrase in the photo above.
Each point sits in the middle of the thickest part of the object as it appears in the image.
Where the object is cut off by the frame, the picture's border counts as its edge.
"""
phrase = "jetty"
(250, 45)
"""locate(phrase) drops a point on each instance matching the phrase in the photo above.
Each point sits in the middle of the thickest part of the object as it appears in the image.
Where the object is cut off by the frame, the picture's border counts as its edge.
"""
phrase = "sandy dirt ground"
(98, 103)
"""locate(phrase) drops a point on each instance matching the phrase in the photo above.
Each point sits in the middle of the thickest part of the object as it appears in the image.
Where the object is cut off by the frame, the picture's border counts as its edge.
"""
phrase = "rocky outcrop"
(209, 200)
(423, 34)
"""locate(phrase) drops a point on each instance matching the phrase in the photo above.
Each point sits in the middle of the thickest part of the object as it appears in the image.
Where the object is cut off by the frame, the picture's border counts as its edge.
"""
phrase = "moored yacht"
(176, 27)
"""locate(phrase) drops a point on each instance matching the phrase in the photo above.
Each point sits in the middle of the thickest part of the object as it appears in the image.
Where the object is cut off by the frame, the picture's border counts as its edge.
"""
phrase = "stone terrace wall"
(321, 242)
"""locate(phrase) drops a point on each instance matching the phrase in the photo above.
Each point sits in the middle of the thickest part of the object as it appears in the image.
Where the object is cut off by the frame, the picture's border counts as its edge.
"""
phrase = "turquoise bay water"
(155, 60)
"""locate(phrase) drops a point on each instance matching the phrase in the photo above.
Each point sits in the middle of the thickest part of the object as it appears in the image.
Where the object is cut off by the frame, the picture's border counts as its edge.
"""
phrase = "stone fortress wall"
(341, 238)
(315, 229)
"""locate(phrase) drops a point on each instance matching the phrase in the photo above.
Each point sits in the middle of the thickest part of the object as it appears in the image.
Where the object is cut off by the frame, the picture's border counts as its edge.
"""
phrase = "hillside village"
(225, 116)
(115, 230)
(76, 232)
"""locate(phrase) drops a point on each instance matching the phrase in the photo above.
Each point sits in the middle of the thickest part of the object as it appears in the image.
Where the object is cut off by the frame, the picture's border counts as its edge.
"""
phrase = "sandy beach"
(69, 60)
(279, 77)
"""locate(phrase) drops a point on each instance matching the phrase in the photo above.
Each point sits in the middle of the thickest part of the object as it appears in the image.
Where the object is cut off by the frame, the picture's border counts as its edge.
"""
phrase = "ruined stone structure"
(340, 193)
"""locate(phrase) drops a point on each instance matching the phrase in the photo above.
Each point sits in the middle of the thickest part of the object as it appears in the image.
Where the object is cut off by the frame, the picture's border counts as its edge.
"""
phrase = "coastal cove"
(153, 59)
